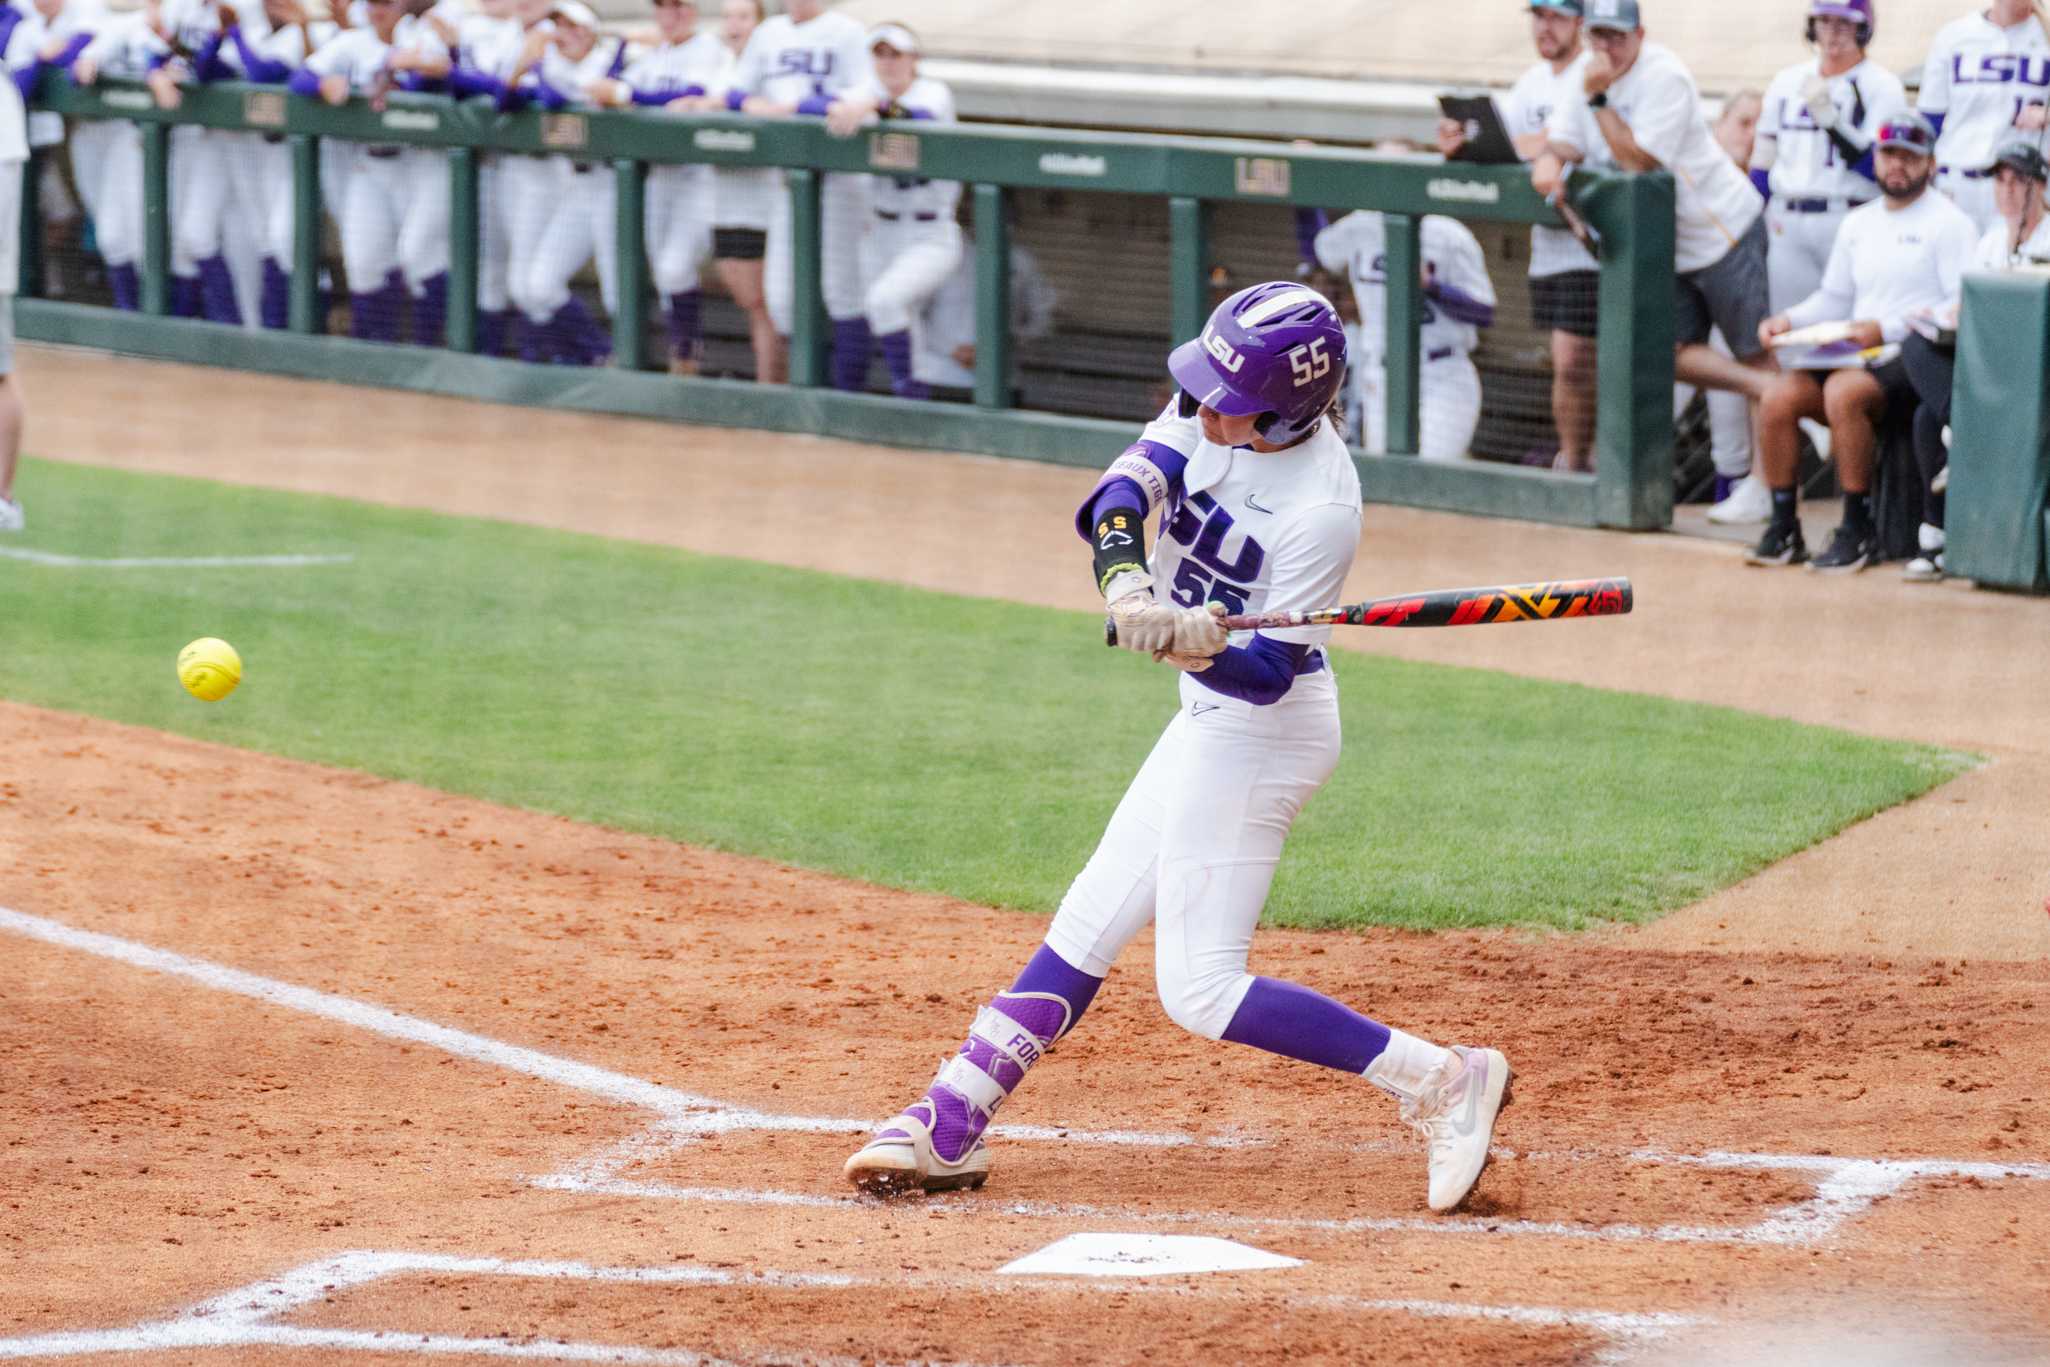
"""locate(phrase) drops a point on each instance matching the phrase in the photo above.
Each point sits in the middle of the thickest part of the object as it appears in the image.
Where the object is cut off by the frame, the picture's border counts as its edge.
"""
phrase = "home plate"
(1143, 1255)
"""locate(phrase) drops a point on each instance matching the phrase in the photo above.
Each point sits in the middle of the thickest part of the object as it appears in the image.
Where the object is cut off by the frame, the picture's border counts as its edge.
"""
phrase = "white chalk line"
(248, 1315)
(52, 559)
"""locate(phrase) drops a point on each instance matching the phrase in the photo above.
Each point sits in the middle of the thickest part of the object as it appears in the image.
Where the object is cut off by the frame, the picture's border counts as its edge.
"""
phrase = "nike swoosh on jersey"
(1254, 503)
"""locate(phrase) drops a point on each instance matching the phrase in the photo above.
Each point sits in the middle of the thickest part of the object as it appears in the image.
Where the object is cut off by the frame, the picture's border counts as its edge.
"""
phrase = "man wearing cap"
(1813, 154)
(2020, 238)
(1640, 111)
(1903, 254)
(1564, 276)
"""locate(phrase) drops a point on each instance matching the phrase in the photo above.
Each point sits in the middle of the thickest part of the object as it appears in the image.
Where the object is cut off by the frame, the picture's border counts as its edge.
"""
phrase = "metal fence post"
(808, 321)
(463, 228)
(992, 298)
(1188, 255)
(30, 281)
(1633, 429)
(156, 218)
(1405, 294)
(629, 320)
(304, 307)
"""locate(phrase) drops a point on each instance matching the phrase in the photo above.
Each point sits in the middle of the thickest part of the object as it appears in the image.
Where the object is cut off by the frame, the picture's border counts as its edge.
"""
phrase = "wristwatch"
(1598, 100)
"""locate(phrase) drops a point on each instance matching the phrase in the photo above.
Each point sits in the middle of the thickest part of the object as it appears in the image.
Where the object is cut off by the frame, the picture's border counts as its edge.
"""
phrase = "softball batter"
(1259, 511)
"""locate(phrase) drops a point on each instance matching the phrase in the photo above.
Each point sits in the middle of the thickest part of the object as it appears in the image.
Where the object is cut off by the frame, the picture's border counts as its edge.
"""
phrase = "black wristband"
(1598, 100)
(1119, 543)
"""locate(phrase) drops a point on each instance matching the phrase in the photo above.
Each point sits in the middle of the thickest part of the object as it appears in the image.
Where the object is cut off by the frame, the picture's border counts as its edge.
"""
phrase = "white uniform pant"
(262, 172)
(395, 218)
(1972, 194)
(905, 262)
(1193, 846)
(529, 191)
(1448, 405)
(586, 210)
(1796, 251)
(843, 214)
(106, 158)
(1729, 419)
(680, 204)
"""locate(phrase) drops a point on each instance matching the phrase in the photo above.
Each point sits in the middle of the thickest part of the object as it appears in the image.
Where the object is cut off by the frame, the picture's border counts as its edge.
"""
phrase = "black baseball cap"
(2023, 158)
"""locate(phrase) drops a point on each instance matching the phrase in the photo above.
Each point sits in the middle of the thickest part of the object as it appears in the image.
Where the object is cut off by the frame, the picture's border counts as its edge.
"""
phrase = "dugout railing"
(1632, 487)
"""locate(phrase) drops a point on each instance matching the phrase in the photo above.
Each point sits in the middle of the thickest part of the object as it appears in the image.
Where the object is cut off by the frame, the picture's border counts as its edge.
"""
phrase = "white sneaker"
(1819, 435)
(1749, 502)
(1456, 1112)
(11, 519)
(1924, 569)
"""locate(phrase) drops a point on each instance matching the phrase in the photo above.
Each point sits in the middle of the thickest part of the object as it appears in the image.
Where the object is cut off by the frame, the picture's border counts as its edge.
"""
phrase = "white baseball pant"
(527, 199)
(106, 155)
(678, 226)
(1448, 405)
(843, 215)
(1193, 846)
(905, 263)
(583, 225)
(1796, 252)
(1973, 194)
(378, 188)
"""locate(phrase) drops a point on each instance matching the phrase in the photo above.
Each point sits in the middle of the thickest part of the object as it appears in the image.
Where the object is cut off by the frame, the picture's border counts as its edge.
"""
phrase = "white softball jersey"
(1527, 109)
(1258, 531)
(1801, 159)
(1715, 202)
(604, 61)
(123, 46)
(1356, 246)
(1992, 253)
(741, 195)
(668, 71)
(912, 197)
(1888, 263)
(824, 56)
(356, 53)
(1978, 77)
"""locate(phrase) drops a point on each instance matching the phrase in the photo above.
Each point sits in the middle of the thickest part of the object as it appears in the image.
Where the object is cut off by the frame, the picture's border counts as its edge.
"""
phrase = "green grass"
(907, 738)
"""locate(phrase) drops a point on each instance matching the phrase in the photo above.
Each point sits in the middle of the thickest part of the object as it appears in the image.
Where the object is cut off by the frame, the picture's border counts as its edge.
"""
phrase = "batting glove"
(1821, 108)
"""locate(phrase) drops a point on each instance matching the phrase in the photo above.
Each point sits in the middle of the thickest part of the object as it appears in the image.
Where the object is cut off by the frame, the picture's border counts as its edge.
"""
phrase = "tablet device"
(1487, 141)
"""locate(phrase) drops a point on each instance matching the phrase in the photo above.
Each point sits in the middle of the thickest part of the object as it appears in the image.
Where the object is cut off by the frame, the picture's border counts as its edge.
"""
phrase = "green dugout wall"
(1634, 214)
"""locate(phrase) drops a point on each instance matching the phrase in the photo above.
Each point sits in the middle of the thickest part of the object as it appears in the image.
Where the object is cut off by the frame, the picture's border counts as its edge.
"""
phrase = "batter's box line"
(249, 1316)
(1844, 1189)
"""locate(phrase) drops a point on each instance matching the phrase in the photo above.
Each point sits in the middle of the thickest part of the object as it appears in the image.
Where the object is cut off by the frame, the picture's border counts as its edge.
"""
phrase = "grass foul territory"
(907, 738)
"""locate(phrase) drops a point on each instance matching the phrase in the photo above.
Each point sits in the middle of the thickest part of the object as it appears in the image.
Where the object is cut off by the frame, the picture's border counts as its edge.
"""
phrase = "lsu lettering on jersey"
(1803, 161)
(1978, 78)
(1255, 531)
(791, 62)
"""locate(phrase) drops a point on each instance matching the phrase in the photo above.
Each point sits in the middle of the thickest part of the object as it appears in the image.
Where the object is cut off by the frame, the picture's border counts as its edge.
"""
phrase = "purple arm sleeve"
(26, 78)
(255, 65)
(735, 99)
(304, 82)
(1115, 492)
(464, 81)
(207, 64)
(1935, 123)
(814, 105)
(1166, 459)
(1762, 180)
(1460, 306)
(413, 81)
(1260, 673)
(547, 95)
(1308, 223)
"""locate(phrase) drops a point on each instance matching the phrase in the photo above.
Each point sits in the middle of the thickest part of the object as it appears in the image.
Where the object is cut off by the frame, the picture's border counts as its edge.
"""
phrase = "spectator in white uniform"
(1903, 254)
(944, 337)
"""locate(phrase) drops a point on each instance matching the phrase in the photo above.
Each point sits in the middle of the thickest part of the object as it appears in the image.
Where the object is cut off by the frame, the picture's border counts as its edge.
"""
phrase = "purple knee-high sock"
(1293, 1021)
(1008, 1037)
(126, 283)
(538, 341)
(492, 326)
(430, 311)
(686, 330)
(896, 349)
(852, 344)
(363, 315)
(274, 306)
(584, 341)
(184, 296)
(217, 293)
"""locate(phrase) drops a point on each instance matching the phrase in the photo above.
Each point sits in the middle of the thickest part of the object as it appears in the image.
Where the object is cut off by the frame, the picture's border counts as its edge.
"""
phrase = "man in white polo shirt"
(1902, 254)
(1642, 112)
(13, 158)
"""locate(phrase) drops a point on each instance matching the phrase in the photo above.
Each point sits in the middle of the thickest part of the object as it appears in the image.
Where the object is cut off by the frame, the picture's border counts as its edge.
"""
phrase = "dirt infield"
(308, 1066)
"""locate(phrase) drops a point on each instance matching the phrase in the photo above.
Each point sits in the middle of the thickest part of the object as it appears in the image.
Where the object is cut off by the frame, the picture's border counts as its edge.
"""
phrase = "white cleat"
(901, 1158)
(11, 519)
(1456, 1112)
(1748, 502)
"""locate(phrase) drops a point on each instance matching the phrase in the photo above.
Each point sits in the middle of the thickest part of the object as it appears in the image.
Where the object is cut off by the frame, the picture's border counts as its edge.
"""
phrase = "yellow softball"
(209, 668)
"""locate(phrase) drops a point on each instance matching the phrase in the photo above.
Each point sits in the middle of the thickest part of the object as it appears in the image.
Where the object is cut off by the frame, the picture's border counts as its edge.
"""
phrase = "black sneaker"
(1779, 546)
(1850, 549)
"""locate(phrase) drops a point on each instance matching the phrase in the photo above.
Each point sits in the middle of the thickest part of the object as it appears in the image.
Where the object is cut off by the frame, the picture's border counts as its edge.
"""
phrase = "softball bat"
(1551, 601)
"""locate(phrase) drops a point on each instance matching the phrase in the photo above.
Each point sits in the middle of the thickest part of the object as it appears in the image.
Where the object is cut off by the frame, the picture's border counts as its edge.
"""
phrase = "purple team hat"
(1906, 131)
(1276, 349)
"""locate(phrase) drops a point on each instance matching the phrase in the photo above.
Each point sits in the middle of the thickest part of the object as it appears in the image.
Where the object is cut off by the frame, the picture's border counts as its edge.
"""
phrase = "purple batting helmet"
(1276, 349)
(1858, 12)
(1905, 130)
